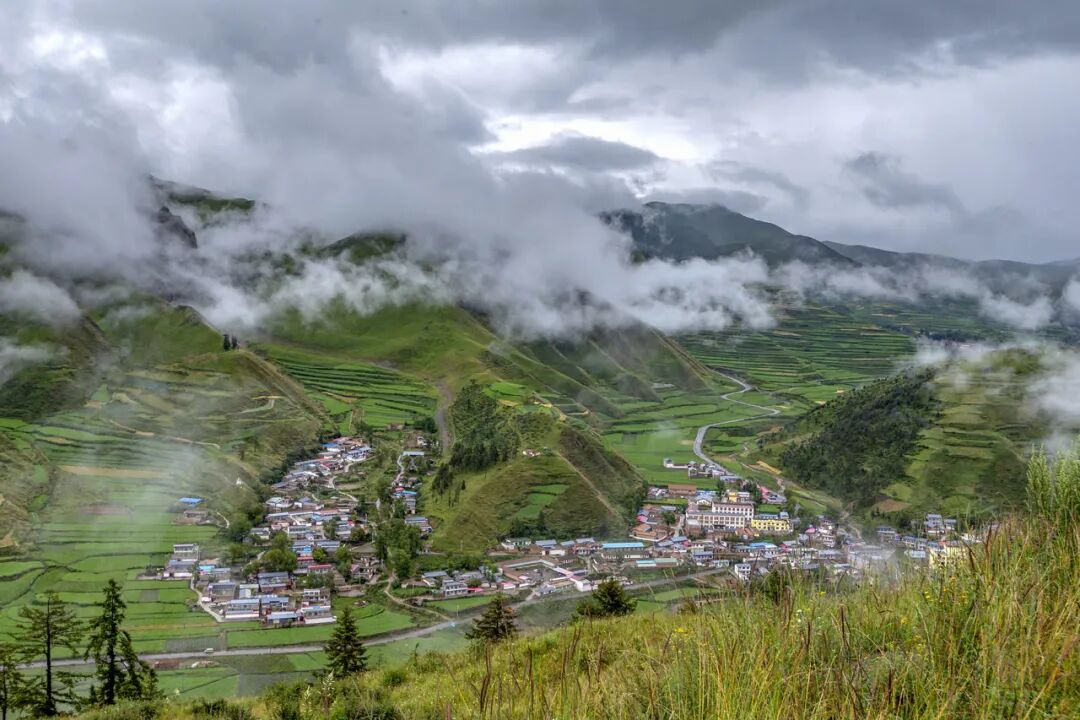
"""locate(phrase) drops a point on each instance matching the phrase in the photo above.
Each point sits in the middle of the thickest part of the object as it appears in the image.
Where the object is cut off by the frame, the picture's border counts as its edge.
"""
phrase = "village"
(314, 543)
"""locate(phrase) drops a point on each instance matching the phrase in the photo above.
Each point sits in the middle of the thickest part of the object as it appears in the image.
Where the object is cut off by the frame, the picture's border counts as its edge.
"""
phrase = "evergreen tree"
(225, 344)
(12, 682)
(608, 600)
(41, 630)
(345, 651)
(119, 671)
(496, 624)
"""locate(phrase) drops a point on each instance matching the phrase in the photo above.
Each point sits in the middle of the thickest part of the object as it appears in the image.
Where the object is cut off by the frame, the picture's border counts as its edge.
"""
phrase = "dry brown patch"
(891, 505)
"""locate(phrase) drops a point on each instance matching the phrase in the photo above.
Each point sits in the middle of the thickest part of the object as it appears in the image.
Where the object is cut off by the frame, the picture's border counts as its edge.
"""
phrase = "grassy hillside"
(853, 446)
(992, 637)
(89, 488)
(953, 443)
(575, 487)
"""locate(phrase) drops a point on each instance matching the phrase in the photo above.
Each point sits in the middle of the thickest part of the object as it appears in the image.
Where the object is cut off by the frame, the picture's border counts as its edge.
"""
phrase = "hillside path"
(743, 387)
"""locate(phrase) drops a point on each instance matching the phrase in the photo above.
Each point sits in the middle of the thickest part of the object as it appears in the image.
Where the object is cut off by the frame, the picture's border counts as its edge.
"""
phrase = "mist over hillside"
(593, 359)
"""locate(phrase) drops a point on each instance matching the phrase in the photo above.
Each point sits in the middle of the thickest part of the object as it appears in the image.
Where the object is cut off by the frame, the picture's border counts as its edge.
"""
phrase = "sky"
(946, 127)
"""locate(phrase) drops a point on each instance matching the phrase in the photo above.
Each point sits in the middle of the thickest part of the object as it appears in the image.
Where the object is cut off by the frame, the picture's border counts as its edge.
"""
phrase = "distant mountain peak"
(683, 231)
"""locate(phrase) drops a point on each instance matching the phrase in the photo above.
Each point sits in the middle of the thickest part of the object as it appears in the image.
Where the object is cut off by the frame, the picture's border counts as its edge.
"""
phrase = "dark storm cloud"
(874, 35)
(581, 152)
(887, 185)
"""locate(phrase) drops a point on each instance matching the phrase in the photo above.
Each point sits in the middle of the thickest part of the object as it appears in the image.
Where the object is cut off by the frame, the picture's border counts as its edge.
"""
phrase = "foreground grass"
(994, 636)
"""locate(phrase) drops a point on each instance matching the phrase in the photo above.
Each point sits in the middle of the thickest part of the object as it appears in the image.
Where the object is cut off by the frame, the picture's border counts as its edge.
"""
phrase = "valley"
(576, 443)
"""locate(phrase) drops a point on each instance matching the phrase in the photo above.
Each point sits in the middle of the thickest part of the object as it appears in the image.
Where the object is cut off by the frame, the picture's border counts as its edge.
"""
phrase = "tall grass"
(992, 636)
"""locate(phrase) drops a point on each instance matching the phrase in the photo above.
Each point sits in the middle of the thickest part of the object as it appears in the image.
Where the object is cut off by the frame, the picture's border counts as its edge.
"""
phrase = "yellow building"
(771, 524)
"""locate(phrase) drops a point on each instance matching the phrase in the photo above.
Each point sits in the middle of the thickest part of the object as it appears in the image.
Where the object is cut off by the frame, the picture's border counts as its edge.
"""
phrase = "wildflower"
(681, 631)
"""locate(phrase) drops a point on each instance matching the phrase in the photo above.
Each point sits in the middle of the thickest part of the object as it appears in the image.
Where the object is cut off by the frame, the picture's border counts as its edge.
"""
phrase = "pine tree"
(608, 600)
(12, 683)
(496, 624)
(225, 344)
(41, 630)
(345, 651)
(120, 673)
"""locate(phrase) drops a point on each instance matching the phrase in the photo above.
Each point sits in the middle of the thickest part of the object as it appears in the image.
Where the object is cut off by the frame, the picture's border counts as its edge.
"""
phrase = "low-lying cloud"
(914, 285)
(14, 357)
(26, 294)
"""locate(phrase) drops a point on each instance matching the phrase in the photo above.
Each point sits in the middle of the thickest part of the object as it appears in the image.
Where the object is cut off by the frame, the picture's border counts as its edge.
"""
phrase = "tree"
(279, 560)
(280, 557)
(345, 651)
(343, 558)
(609, 599)
(121, 675)
(496, 624)
(12, 683)
(41, 630)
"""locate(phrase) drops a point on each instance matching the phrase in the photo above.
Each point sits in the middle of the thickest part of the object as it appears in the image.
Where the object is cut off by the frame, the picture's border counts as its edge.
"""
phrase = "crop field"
(969, 461)
(462, 603)
(650, 432)
(381, 396)
(116, 467)
(810, 354)
(539, 497)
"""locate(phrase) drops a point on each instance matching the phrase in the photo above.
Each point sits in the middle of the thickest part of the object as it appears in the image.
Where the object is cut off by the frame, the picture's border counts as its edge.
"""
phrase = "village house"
(316, 614)
(623, 550)
(702, 517)
(186, 551)
(242, 609)
(454, 588)
(771, 524)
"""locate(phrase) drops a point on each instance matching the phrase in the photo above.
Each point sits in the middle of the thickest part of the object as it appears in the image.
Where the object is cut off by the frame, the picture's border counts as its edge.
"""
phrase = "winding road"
(743, 387)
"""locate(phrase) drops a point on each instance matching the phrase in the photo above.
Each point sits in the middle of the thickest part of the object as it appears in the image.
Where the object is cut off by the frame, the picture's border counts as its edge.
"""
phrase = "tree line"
(50, 627)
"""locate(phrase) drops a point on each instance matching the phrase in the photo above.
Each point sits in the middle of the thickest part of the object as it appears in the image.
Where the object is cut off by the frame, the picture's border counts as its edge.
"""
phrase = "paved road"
(743, 387)
(379, 640)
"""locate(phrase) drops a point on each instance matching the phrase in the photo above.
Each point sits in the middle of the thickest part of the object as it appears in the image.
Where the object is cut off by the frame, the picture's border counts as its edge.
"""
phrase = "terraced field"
(376, 395)
(109, 474)
(812, 352)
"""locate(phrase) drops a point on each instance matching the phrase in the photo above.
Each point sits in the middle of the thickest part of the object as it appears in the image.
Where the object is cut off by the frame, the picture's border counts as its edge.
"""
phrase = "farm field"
(110, 471)
(811, 353)
(462, 603)
(648, 433)
(375, 395)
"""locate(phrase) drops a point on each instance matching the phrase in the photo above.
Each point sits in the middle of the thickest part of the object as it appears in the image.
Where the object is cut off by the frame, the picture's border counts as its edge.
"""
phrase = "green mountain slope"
(951, 442)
